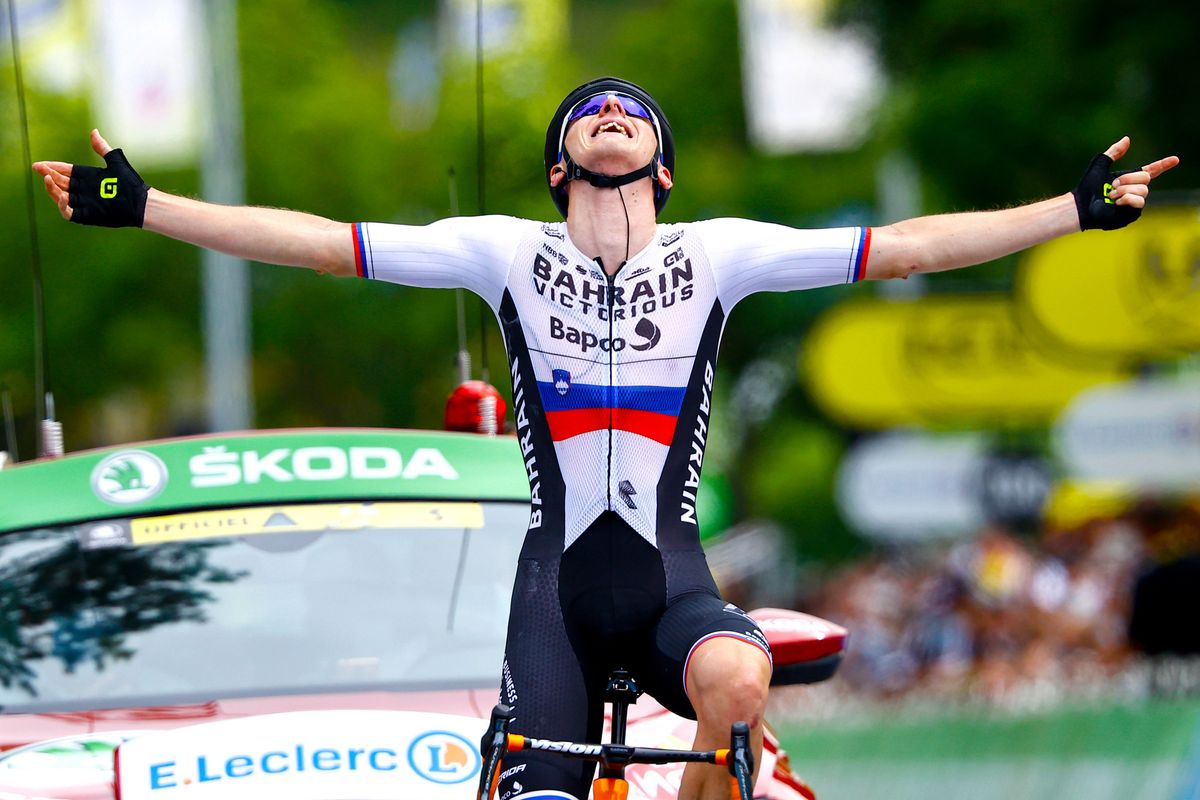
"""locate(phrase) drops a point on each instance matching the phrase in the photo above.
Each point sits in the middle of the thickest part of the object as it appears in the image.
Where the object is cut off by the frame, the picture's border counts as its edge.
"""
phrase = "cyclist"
(612, 323)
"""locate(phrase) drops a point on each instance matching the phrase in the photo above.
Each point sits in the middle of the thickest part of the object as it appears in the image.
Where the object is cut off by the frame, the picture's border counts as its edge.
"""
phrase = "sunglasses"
(590, 106)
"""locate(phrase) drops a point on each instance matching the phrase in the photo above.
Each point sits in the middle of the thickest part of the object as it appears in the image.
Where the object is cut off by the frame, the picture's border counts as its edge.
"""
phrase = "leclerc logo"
(130, 476)
(443, 757)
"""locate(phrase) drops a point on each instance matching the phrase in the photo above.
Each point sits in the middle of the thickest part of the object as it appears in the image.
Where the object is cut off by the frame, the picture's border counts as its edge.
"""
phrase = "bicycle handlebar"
(613, 754)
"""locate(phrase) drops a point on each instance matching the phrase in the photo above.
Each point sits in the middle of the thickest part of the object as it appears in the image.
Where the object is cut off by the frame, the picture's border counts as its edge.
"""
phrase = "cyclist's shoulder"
(718, 232)
(499, 234)
(499, 224)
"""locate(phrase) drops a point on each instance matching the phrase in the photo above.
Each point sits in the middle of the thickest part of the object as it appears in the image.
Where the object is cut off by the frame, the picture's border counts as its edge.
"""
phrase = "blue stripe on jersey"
(861, 254)
(659, 399)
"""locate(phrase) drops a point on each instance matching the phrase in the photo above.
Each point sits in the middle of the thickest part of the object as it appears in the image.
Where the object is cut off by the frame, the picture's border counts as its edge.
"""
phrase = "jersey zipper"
(611, 386)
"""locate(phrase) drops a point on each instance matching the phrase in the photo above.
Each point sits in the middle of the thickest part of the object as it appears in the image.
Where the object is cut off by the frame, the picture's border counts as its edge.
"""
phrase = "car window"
(246, 601)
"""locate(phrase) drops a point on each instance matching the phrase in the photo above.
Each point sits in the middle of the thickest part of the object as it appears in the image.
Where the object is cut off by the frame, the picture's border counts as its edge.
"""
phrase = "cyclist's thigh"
(689, 621)
(541, 680)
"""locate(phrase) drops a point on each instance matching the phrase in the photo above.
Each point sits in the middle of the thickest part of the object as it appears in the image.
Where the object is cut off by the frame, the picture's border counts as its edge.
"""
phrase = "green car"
(303, 614)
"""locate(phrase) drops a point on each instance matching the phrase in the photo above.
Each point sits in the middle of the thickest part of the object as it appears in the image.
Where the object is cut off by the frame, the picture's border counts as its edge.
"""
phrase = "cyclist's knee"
(727, 680)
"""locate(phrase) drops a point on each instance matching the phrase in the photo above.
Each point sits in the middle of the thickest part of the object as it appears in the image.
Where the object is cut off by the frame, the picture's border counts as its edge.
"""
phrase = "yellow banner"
(853, 367)
(876, 364)
(304, 518)
(1132, 292)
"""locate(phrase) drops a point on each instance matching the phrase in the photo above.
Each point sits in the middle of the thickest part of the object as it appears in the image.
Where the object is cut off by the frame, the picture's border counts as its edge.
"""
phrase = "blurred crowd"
(1000, 613)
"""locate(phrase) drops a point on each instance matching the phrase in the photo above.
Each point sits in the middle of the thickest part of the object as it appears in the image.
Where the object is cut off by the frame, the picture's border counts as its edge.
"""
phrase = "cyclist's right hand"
(113, 196)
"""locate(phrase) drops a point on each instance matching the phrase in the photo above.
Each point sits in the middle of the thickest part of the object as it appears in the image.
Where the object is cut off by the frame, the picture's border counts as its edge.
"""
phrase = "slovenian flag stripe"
(864, 252)
(658, 399)
(565, 424)
(360, 253)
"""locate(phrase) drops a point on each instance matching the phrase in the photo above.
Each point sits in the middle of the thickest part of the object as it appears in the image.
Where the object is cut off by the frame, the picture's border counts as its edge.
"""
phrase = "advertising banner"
(876, 364)
(264, 468)
(306, 755)
(1133, 292)
(1144, 433)
(908, 486)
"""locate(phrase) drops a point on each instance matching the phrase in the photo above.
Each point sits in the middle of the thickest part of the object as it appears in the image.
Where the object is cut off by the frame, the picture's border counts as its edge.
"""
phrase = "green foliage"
(1006, 102)
(789, 471)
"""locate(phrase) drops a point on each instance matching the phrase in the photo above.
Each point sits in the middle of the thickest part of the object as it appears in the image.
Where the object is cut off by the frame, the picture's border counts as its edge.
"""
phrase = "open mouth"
(613, 126)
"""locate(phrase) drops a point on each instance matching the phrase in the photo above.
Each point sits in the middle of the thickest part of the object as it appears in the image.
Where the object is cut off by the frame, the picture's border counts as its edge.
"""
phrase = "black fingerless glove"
(1091, 198)
(114, 197)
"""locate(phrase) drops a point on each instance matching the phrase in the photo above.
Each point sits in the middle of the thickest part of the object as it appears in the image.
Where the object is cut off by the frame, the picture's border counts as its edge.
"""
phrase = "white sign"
(910, 486)
(807, 87)
(150, 79)
(1146, 433)
(307, 755)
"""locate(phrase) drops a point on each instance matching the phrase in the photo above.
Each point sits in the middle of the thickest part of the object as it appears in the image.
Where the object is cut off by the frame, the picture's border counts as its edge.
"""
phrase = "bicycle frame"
(613, 757)
(807, 649)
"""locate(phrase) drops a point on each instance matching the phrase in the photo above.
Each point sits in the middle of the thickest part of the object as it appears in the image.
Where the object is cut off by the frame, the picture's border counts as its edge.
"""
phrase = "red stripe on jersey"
(863, 253)
(360, 258)
(565, 424)
(652, 425)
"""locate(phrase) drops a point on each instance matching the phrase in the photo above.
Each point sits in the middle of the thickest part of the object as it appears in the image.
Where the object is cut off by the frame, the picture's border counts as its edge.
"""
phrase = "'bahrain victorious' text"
(612, 377)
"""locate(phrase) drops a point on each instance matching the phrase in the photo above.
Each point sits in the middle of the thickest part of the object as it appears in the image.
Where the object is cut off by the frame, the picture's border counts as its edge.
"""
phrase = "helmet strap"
(574, 171)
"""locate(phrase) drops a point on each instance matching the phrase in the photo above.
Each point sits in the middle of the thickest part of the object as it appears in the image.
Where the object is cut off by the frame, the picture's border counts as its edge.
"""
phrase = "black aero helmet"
(554, 137)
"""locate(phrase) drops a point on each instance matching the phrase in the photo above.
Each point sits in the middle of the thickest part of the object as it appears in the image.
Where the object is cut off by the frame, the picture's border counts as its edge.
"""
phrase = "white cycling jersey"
(612, 377)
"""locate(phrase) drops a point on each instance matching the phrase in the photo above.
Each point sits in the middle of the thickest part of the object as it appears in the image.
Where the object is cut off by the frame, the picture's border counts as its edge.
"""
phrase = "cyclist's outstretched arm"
(270, 235)
(1103, 199)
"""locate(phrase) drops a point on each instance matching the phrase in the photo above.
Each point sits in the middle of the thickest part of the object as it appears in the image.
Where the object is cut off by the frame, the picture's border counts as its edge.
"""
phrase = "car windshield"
(258, 600)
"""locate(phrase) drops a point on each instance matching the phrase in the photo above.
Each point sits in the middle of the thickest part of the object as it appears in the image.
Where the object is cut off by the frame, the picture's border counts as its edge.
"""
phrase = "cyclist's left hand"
(1132, 188)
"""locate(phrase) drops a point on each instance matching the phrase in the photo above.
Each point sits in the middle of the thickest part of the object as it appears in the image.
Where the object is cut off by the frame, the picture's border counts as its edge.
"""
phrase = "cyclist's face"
(611, 142)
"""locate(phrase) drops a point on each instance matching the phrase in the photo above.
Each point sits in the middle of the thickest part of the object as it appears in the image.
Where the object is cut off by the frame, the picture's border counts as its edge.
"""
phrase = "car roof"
(260, 467)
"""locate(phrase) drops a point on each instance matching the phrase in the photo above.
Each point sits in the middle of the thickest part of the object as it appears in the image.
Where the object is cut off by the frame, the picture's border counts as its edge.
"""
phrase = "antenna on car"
(479, 171)
(464, 356)
(41, 366)
(10, 427)
(52, 431)
(473, 406)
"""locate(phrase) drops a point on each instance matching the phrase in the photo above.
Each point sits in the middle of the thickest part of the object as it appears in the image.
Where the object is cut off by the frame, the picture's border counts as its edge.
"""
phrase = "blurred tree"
(1006, 102)
(789, 476)
(54, 604)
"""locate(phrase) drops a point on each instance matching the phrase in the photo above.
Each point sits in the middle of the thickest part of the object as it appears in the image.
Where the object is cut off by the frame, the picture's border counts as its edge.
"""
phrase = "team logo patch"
(732, 609)
(648, 331)
(443, 757)
(671, 238)
(130, 476)
(626, 490)
(562, 381)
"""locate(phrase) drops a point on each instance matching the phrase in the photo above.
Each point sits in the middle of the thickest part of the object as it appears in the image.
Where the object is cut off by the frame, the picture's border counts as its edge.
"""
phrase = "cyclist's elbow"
(896, 253)
(335, 253)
